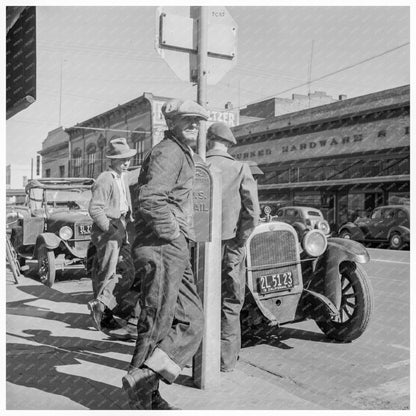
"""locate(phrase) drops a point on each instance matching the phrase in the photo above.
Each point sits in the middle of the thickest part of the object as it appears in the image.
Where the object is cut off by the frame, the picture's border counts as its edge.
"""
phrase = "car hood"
(67, 218)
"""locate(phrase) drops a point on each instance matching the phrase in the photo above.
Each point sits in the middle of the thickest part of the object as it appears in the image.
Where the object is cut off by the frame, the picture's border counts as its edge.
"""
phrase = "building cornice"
(353, 107)
(107, 118)
(54, 148)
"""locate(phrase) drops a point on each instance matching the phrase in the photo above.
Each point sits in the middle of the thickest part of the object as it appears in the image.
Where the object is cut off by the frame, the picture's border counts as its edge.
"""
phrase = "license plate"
(275, 282)
(84, 228)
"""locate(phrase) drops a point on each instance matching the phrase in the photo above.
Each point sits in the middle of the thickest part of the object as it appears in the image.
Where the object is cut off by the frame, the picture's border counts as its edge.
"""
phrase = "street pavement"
(56, 360)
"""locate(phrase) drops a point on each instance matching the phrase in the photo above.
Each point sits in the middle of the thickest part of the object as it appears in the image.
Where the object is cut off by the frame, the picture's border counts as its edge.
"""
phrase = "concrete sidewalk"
(57, 360)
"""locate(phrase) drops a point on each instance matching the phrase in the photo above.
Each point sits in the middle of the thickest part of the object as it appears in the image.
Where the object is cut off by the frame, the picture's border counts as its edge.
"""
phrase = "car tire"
(46, 266)
(345, 234)
(356, 305)
(396, 241)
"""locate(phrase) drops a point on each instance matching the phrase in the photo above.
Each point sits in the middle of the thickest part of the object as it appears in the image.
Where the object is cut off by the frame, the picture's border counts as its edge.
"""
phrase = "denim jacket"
(163, 202)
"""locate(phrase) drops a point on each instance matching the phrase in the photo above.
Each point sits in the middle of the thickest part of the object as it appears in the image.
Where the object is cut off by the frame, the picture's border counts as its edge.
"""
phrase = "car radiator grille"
(271, 252)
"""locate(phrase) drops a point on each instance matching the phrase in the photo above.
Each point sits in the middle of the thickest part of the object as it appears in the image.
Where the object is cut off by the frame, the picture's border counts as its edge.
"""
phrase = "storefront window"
(399, 198)
(101, 156)
(91, 149)
(77, 159)
(307, 198)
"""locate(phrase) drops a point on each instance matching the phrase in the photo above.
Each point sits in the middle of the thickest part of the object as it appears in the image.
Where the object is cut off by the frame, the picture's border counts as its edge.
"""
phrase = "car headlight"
(65, 233)
(314, 243)
(323, 226)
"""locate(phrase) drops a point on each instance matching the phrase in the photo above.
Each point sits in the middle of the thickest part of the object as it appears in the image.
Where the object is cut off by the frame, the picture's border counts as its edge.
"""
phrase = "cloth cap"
(183, 108)
(119, 149)
(255, 170)
(221, 131)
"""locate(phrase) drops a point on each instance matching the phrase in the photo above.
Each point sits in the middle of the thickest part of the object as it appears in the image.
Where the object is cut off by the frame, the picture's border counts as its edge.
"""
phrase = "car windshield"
(376, 215)
(72, 199)
(59, 199)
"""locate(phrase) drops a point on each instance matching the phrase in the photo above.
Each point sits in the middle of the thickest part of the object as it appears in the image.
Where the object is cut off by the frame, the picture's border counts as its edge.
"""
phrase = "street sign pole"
(206, 368)
(202, 59)
(201, 42)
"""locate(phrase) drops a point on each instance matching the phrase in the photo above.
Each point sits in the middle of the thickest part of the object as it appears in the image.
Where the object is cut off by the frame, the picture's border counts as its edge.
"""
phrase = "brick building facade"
(350, 155)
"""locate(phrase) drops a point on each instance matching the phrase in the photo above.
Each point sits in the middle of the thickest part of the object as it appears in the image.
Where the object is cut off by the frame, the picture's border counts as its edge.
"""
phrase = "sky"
(90, 59)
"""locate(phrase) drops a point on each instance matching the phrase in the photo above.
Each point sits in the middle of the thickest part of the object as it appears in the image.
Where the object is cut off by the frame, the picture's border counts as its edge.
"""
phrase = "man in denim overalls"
(171, 320)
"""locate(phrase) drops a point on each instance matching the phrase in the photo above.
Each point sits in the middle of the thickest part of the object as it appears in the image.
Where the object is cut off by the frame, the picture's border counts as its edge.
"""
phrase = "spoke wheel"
(355, 308)
(11, 257)
(46, 266)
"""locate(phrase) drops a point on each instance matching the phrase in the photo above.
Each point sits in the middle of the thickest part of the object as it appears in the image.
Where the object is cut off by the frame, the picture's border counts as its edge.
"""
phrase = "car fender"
(401, 229)
(326, 278)
(356, 232)
(300, 228)
(50, 240)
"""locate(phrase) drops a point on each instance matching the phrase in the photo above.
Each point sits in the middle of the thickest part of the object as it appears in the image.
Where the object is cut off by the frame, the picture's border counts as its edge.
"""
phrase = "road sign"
(176, 41)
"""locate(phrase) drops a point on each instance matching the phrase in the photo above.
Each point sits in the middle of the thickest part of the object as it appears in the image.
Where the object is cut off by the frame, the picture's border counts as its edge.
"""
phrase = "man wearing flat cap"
(171, 320)
(240, 214)
(110, 209)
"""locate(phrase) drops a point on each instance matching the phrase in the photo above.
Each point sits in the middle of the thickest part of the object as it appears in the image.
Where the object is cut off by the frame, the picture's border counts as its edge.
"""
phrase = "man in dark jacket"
(240, 214)
(171, 320)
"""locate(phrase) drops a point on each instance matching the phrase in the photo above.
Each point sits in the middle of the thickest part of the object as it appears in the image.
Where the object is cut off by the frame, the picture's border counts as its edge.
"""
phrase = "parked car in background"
(387, 224)
(53, 226)
(304, 218)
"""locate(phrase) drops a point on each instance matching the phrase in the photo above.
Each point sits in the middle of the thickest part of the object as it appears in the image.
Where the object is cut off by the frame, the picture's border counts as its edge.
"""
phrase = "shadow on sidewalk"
(35, 366)
(275, 336)
(38, 367)
(40, 292)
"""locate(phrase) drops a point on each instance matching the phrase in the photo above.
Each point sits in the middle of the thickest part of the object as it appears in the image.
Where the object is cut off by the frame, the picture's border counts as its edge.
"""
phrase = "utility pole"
(202, 42)
(60, 95)
(310, 75)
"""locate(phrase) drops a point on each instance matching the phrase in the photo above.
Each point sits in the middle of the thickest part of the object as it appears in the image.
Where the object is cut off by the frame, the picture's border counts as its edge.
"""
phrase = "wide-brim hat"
(183, 108)
(119, 149)
(221, 131)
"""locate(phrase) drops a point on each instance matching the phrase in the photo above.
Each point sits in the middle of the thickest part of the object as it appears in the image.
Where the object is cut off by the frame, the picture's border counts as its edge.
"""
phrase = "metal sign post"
(202, 76)
(207, 265)
(199, 44)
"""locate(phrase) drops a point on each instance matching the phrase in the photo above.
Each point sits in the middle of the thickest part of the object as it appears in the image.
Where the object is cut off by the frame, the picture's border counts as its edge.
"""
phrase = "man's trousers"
(171, 321)
(232, 300)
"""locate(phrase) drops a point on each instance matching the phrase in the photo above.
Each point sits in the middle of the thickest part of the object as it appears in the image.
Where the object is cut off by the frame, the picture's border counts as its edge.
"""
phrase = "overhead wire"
(334, 72)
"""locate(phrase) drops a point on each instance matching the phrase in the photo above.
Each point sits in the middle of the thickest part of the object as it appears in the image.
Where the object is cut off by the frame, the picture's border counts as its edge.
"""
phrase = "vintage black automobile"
(293, 276)
(303, 218)
(53, 226)
(387, 224)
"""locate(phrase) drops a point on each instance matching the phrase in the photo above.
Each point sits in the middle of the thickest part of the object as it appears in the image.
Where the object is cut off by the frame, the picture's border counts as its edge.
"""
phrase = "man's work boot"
(124, 333)
(159, 403)
(139, 385)
(108, 323)
(97, 309)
